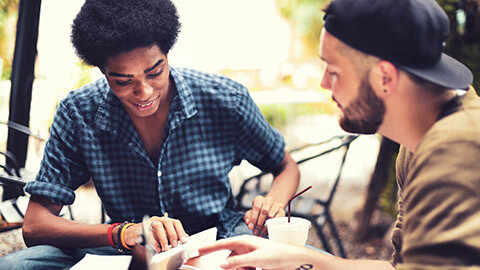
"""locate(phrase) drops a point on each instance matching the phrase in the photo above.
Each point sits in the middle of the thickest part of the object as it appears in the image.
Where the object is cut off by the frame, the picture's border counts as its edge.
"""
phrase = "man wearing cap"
(388, 75)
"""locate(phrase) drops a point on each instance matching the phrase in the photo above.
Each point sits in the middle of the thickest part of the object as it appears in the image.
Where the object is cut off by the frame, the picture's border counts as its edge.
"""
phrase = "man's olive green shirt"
(438, 224)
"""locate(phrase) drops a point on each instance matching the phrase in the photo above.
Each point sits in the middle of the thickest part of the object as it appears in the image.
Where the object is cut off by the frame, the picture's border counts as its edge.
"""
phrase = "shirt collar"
(184, 94)
(110, 109)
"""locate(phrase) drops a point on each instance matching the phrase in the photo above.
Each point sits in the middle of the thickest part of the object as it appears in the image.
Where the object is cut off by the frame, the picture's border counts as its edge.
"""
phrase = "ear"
(384, 77)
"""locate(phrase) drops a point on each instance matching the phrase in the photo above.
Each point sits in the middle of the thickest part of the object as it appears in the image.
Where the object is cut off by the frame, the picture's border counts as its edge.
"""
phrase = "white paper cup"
(294, 233)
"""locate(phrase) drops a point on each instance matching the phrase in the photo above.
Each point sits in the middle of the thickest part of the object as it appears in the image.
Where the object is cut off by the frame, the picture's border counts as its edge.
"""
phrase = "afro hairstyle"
(105, 28)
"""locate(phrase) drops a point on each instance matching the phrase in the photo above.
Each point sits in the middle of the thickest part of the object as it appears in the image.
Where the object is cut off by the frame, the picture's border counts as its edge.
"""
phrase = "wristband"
(109, 234)
(122, 236)
(119, 246)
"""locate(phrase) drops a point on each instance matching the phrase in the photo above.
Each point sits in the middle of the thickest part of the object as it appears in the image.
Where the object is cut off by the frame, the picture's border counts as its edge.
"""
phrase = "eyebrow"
(129, 75)
(119, 75)
(153, 67)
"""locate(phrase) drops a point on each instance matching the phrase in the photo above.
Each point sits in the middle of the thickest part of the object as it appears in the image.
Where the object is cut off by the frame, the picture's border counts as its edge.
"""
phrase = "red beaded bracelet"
(110, 236)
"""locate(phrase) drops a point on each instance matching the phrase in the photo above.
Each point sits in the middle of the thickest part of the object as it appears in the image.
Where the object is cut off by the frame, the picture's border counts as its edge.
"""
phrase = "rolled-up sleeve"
(62, 170)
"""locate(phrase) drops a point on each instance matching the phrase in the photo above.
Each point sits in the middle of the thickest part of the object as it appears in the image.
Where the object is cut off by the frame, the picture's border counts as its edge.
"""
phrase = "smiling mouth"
(145, 105)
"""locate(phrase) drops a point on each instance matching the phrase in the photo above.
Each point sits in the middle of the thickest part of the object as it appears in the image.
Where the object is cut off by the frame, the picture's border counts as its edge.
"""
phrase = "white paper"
(91, 261)
(175, 257)
(209, 261)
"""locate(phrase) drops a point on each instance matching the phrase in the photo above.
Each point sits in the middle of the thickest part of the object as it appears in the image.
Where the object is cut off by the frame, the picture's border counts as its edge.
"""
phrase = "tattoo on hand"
(304, 267)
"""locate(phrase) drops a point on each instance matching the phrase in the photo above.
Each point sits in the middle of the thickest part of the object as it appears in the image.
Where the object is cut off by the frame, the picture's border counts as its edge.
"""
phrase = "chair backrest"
(11, 171)
(259, 184)
(10, 165)
(12, 176)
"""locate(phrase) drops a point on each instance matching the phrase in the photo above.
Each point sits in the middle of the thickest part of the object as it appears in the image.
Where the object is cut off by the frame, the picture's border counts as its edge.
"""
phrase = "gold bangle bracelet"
(122, 236)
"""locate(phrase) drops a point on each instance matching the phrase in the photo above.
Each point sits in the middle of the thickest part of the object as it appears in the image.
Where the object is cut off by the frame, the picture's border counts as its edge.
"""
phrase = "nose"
(143, 90)
(326, 82)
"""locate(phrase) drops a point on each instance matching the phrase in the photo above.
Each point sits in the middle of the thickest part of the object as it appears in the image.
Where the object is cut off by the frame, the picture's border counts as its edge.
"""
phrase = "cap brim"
(448, 73)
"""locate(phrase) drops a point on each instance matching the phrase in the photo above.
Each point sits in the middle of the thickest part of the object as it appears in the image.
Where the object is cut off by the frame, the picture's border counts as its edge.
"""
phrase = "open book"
(181, 256)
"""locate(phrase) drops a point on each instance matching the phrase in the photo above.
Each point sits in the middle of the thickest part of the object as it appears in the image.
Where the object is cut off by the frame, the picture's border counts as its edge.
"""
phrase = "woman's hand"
(263, 208)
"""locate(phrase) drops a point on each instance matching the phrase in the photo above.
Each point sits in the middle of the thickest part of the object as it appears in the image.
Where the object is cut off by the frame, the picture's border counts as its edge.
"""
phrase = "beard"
(365, 114)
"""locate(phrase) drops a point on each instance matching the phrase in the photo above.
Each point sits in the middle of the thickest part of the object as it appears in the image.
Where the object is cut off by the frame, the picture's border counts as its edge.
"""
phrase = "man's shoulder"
(452, 142)
(88, 96)
(460, 127)
(83, 103)
(209, 90)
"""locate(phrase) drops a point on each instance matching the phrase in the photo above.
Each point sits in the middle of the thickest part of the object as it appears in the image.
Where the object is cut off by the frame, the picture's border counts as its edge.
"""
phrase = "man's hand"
(263, 208)
(166, 232)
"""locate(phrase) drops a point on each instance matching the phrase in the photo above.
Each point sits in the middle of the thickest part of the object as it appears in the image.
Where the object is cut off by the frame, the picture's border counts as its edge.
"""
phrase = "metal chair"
(10, 176)
(13, 176)
(306, 206)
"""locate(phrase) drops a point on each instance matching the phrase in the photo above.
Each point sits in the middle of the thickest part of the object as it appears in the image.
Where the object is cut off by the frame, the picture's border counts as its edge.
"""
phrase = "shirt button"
(159, 173)
(115, 132)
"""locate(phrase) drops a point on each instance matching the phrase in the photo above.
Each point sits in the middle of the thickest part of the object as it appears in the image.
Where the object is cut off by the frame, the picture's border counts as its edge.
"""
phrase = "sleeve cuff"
(55, 193)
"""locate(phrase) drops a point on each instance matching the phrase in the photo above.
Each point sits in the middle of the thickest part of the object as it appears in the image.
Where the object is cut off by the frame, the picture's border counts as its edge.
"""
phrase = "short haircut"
(105, 28)
(362, 62)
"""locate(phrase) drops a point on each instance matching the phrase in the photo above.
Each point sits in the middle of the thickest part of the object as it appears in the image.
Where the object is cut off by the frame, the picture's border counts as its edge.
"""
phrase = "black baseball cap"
(409, 33)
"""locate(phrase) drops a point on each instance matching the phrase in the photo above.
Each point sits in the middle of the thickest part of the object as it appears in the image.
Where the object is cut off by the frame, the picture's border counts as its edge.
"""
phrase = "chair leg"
(70, 211)
(330, 222)
(319, 229)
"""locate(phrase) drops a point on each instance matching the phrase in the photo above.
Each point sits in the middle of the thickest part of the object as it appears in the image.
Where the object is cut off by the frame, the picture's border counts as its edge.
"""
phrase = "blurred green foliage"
(466, 51)
(280, 115)
(307, 19)
(8, 8)
(276, 115)
(6, 71)
(388, 197)
(85, 76)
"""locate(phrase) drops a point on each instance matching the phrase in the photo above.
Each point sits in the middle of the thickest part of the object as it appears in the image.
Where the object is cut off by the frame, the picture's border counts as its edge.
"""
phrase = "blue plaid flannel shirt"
(212, 125)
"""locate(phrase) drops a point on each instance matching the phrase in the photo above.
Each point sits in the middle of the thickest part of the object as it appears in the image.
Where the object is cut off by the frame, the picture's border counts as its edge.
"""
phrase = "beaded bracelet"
(109, 234)
(122, 236)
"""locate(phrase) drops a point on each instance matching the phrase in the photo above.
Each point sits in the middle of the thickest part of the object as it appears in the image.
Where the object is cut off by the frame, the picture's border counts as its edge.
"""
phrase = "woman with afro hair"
(156, 141)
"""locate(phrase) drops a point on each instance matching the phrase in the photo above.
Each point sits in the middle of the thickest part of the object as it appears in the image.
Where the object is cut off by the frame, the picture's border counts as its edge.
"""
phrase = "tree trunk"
(377, 183)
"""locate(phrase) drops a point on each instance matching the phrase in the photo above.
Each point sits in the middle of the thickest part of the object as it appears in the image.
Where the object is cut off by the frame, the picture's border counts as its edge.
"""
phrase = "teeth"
(145, 105)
